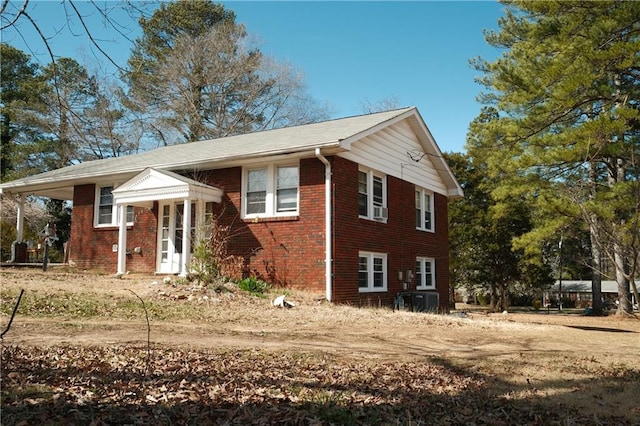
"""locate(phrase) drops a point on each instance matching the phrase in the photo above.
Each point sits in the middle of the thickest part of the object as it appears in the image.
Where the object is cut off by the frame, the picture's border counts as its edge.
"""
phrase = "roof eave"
(56, 186)
(239, 159)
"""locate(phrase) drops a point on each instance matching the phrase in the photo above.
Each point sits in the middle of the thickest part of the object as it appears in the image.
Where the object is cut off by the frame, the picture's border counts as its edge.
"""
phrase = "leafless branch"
(15, 19)
(146, 313)
(115, 25)
(93, 41)
(4, 6)
(46, 43)
(13, 314)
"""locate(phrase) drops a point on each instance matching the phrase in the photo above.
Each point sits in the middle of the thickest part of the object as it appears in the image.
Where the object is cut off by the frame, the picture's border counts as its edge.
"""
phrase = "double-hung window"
(106, 212)
(372, 272)
(425, 273)
(286, 189)
(256, 195)
(271, 190)
(372, 195)
(424, 210)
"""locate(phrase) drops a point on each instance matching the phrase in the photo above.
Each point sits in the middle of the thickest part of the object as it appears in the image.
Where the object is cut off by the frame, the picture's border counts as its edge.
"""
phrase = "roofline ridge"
(403, 109)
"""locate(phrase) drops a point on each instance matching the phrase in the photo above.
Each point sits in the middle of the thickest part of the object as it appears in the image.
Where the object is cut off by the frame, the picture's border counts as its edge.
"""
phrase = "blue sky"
(350, 53)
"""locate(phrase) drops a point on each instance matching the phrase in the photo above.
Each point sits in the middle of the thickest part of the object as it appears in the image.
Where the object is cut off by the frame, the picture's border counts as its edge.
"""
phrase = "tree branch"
(93, 41)
(146, 313)
(20, 12)
(13, 314)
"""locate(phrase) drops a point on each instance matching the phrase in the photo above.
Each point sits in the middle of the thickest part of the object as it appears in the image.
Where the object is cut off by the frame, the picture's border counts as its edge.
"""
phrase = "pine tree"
(567, 132)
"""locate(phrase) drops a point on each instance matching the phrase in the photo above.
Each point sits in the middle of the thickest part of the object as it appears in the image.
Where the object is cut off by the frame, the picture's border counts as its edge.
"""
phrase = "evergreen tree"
(483, 259)
(20, 87)
(566, 135)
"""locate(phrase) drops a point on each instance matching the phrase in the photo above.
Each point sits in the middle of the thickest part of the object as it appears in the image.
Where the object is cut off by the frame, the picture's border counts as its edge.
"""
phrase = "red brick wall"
(290, 251)
(398, 238)
(284, 251)
(92, 248)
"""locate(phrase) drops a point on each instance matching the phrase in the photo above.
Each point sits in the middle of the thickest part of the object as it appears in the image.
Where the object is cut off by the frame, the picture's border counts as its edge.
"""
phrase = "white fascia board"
(154, 185)
(433, 150)
(160, 194)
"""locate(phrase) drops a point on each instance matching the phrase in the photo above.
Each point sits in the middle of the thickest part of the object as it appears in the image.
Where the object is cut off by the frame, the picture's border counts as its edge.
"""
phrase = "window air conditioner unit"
(380, 213)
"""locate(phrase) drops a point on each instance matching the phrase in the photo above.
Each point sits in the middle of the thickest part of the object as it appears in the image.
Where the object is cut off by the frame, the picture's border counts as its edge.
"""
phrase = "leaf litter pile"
(125, 384)
(241, 361)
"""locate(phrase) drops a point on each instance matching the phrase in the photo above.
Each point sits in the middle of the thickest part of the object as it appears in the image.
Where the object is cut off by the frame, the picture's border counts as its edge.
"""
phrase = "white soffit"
(155, 185)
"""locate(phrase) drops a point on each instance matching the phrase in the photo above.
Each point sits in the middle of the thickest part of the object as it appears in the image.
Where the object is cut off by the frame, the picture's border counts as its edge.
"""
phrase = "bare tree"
(386, 104)
(217, 84)
(21, 18)
(17, 15)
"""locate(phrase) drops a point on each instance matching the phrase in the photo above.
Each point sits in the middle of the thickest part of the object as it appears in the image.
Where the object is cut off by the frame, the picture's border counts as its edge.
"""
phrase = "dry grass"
(336, 364)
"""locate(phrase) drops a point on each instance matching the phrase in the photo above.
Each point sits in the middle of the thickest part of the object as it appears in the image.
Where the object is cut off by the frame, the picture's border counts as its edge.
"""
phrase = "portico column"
(122, 239)
(20, 219)
(186, 238)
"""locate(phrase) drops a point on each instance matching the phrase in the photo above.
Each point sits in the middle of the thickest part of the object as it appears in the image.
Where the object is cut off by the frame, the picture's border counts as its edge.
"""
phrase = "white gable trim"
(156, 185)
(346, 143)
(432, 150)
(389, 146)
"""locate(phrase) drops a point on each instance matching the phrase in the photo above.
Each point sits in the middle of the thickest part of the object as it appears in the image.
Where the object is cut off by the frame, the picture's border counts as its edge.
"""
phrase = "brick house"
(355, 208)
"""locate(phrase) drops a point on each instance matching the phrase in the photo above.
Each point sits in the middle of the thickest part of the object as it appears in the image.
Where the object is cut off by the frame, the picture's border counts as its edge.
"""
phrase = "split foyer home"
(355, 208)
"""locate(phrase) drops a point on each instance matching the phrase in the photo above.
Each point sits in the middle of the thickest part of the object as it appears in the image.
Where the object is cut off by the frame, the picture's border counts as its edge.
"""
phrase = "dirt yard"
(80, 351)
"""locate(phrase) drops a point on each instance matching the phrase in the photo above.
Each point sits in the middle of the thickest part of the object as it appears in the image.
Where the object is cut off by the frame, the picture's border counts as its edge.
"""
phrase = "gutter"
(327, 224)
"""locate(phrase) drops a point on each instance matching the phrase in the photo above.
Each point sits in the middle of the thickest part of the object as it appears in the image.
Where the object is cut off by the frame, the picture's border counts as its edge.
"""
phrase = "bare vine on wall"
(275, 273)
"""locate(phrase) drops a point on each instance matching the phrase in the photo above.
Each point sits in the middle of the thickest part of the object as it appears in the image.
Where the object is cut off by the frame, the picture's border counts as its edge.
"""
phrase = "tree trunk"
(452, 297)
(502, 296)
(494, 298)
(596, 260)
(596, 248)
(5, 146)
(624, 289)
(620, 260)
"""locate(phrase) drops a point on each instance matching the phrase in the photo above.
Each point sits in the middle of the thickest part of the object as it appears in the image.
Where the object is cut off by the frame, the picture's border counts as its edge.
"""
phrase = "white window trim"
(424, 192)
(115, 212)
(370, 288)
(370, 205)
(422, 285)
(270, 201)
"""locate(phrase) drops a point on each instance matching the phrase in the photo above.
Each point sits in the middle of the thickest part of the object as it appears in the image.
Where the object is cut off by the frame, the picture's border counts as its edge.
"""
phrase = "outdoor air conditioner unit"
(425, 301)
(380, 213)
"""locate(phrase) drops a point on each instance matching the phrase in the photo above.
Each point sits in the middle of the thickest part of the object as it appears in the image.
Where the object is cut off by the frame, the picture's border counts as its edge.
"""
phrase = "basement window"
(425, 273)
(372, 272)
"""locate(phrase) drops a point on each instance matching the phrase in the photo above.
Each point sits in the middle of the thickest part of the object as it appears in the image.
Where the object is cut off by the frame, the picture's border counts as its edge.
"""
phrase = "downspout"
(327, 224)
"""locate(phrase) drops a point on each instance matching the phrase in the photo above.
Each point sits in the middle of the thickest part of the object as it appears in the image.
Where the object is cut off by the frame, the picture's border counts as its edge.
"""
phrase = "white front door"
(170, 235)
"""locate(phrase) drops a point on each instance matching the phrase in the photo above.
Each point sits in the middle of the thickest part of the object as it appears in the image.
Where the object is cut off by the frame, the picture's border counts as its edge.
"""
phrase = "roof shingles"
(269, 142)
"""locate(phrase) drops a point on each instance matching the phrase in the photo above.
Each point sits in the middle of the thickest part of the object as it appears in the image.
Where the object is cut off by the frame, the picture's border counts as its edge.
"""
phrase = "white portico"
(181, 205)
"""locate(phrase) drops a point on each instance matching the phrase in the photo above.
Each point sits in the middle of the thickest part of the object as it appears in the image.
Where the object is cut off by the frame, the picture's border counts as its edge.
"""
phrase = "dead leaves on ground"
(127, 385)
